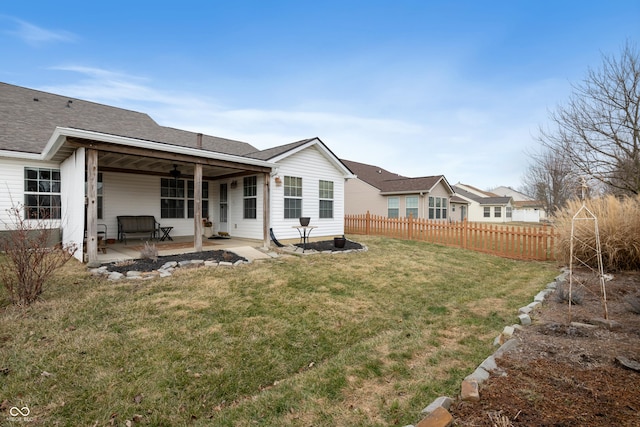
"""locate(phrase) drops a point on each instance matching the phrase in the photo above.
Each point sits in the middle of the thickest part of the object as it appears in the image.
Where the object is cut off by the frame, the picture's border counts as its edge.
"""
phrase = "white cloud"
(481, 142)
(36, 36)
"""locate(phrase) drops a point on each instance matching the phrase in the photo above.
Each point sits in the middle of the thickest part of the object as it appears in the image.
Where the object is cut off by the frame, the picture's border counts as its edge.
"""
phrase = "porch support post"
(197, 207)
(266, 203)
(92, 207)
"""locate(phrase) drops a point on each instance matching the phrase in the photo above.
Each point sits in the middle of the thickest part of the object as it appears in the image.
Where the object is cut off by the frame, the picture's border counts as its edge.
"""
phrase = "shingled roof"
(491, 199)
(372, 175)
(29, 118)
(388, 182)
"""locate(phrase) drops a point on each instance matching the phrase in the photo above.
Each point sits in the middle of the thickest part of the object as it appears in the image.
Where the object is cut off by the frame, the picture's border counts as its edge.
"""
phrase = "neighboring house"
(485, 206)
(380, 192)
(525, 209)
(77, 165)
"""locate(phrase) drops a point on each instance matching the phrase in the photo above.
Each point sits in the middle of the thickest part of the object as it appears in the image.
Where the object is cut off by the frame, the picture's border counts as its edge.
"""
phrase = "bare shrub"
(619, 230)
(562, 294)
(29, 258)
(150, 251)
(634, 303)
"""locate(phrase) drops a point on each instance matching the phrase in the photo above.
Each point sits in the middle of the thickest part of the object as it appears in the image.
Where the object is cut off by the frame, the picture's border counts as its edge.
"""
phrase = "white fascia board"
(60, 134)
(20, 155)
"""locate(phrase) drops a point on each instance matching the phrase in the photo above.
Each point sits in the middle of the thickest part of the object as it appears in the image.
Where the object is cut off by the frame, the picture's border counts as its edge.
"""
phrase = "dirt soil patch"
(564, 373)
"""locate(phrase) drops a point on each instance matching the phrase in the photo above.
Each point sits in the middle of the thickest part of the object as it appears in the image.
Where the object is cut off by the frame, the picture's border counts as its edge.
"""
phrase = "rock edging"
(165, 270)
(437, 413)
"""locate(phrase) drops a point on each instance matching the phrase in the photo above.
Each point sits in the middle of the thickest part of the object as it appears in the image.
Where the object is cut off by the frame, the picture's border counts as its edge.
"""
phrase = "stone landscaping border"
(437, 413)
(165, 270)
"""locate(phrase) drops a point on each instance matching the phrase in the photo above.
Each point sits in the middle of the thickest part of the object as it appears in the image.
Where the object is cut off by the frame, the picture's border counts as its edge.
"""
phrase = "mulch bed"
(145, 265)
(328, 245)
(564, 374)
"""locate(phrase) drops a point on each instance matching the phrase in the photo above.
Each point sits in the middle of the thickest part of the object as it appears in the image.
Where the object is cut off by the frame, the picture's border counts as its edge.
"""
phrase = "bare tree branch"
(598, 130)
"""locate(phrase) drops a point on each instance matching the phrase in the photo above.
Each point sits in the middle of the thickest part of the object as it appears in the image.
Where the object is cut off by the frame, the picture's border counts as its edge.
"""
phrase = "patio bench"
(137, 224)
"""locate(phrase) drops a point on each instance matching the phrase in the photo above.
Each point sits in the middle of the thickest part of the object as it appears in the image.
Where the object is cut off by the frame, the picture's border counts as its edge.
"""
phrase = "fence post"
(410, 226)
(367, 225)
(463, 227)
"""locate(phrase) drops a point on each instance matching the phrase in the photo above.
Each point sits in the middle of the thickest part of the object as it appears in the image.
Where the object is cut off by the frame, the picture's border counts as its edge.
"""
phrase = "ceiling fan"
(175, 173)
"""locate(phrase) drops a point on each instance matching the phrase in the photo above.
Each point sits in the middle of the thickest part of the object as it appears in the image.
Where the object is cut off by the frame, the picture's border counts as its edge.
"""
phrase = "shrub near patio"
(365, 338)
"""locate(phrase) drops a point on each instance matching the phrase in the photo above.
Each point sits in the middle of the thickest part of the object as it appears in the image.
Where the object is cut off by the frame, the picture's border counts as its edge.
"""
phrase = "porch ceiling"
(127, 163)
(135, 160)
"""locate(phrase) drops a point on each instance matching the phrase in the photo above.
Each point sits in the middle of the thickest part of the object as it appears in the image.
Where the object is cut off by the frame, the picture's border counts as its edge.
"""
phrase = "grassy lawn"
(361, 339)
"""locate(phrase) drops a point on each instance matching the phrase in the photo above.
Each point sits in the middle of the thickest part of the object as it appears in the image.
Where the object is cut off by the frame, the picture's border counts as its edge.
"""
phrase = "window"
(487, 212)
(224, 206)
(411, 206)
(393, 207)
(325, 193)
(100, 196)
(42, 193)
(171, 198)
(250, 195)
(292, 197)
(438, 207)
(509, 212)
(174, 197)
(205, 199)
(497, 211)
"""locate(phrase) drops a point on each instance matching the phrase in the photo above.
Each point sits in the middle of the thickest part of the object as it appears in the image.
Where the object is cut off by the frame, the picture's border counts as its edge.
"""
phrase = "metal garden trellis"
(582, 237)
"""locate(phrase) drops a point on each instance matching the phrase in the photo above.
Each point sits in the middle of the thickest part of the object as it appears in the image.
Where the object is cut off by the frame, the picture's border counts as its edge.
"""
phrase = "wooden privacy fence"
(516, 242)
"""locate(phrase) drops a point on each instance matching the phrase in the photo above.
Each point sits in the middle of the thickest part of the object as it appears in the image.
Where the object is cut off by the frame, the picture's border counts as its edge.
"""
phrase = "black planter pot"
(304, 220)
(339, 242)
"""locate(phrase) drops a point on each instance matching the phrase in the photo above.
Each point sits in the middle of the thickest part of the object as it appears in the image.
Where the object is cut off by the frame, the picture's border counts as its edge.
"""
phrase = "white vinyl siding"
(312, 166)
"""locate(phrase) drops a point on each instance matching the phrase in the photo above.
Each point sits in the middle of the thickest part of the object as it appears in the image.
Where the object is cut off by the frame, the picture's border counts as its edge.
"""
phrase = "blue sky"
(420, 87)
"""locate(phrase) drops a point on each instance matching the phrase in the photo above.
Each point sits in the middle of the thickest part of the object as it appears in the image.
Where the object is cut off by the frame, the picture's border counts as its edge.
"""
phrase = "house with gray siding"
(383, 193)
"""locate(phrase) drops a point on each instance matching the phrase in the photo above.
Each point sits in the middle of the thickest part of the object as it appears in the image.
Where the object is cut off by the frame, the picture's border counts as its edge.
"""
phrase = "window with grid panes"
(172, 198)
(292, 197)
(411, 206)
(191, 199)
(393, 207)
(326, 199)
(42, 193)
(438, 207)
(250, 197)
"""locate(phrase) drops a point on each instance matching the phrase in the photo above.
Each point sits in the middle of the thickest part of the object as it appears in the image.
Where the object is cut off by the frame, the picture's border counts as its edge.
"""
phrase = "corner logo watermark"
(19, 414)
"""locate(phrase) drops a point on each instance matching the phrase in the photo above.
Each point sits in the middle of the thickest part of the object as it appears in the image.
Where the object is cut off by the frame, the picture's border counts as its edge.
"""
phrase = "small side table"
(165, 233)
(305, 232)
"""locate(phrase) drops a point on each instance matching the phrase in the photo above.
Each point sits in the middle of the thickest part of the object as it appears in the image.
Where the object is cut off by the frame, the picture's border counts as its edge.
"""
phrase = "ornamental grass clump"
(619, 230)
(150, 251)
(29, 258)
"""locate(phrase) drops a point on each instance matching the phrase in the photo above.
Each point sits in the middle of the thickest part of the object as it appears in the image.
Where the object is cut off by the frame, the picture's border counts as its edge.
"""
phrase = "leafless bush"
(150, 251)
(29, 259)
(562, 294)
(634, 303)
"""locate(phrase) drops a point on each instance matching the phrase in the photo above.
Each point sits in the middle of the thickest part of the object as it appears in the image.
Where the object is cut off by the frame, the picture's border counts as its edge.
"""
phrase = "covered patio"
(120, 251)
(138, 164)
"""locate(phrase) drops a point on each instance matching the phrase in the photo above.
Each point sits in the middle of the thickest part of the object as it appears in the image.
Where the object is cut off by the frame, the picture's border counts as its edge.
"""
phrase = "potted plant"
(208, 228)
(304, 220)
(339, 242)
